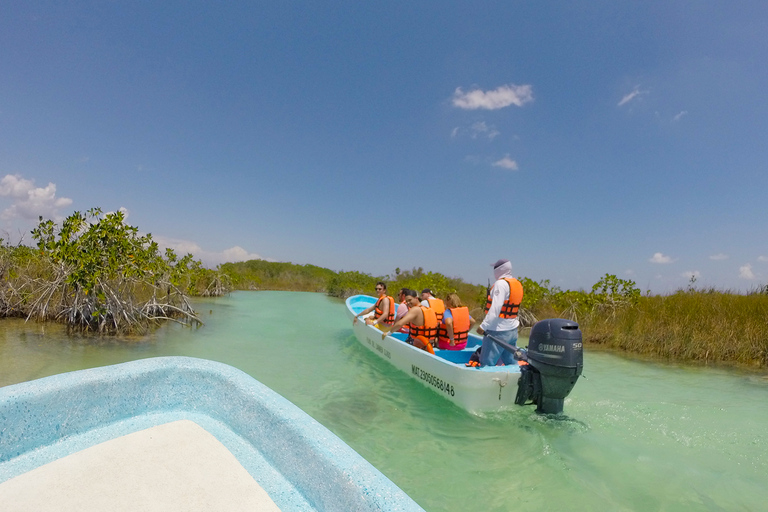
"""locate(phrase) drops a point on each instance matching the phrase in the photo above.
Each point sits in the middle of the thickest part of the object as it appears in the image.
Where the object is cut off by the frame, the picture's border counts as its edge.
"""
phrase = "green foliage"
(346, 284)
(97, 273)
(104, 249)
(271, 275)
(613, 291)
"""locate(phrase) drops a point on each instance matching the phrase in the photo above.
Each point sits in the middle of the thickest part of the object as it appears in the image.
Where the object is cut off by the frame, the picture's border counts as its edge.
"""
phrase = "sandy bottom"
(178, 466)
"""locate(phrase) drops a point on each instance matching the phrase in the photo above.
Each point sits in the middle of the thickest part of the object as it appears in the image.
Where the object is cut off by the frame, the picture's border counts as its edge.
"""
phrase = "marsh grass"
(705, 326)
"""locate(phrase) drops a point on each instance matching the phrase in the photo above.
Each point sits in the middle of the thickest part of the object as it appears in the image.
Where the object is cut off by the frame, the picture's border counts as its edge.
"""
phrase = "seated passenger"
(421, 321)
(457, 322)
(384, 309)
(430, 301)
(402, 308)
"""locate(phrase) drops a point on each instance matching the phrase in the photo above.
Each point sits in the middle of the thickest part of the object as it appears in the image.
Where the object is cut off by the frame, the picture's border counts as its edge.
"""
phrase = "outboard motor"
(555, 361)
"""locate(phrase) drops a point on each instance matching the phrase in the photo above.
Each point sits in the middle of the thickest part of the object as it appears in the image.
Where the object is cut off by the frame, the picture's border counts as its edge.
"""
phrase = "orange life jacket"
(390, 319)
(439, 306)
(429, 329)
(512, 305)
(460, 327)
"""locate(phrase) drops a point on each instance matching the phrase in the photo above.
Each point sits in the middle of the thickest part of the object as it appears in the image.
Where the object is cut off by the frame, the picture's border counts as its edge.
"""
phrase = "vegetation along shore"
(97, 274)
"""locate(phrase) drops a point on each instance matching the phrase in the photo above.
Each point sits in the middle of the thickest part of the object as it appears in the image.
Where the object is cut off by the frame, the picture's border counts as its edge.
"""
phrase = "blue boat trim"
(297, 461)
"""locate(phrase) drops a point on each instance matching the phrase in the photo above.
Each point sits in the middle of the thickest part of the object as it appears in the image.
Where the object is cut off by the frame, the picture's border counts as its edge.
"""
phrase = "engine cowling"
(555, 359)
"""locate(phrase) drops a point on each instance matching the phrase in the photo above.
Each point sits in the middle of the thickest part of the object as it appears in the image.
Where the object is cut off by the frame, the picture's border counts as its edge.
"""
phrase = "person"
(384, 309)
(428, 300)
(422, 323)
(500, 322)
(457, 322)
(402, 308)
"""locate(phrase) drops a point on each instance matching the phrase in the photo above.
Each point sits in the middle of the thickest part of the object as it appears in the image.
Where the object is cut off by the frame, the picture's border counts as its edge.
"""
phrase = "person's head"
(452, 301)
(381, 288)
(412, 298)
(502, 268)
(401, 294)
(426, 293)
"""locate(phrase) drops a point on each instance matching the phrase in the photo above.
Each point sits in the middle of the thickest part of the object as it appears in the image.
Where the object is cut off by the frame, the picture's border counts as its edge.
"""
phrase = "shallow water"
(637, 437)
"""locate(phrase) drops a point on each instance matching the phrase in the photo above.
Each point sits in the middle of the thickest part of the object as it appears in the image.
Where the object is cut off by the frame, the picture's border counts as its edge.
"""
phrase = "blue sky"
(575, 140)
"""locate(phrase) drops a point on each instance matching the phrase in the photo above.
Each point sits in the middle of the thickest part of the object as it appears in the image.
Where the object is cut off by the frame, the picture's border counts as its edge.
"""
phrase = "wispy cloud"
(631, 96)
(506, 163)
(500, 97)
(719, 257)
(680, 115)
(209, 258)
(762, 258)
(660, 258)
(30, 202)
(481, 129)
(745, 272)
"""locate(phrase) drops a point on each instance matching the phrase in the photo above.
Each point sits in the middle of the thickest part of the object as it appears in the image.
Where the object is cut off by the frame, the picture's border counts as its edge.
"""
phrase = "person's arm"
(449, 329)
(497, 300)
(363, 312)
(407, 318)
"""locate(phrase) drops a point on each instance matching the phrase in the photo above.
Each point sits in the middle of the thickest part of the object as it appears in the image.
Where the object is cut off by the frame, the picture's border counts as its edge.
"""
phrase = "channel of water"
(640, 436)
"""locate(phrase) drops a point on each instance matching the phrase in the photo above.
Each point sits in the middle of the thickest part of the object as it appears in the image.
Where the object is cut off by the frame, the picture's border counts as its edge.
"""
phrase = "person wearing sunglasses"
(384, 309)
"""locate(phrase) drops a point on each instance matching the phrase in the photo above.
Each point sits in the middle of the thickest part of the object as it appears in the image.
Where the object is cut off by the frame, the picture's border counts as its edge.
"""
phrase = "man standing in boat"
(501, 322)
(384, 315)
(422, 323)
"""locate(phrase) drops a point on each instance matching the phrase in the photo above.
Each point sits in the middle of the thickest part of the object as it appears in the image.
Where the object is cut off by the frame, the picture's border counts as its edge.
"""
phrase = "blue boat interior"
(359, 303)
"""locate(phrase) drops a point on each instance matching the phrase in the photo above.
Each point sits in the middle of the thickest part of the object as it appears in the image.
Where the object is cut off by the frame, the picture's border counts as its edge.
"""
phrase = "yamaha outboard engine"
(555, 361)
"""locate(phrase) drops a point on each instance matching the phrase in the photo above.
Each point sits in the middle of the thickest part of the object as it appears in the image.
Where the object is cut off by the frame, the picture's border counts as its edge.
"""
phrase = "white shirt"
(492, 321)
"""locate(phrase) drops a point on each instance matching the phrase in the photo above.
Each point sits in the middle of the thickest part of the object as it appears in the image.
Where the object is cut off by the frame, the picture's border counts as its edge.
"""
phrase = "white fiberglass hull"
(476, 390)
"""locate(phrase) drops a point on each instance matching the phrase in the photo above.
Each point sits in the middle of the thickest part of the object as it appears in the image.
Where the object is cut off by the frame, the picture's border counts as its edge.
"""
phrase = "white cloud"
(30, 202)
(632, 95)
(210, 259)
(500, 97)
(506, 163)
(762, 258)
(745, 272)
(480, 129)
(719, 257)
(454, 132)
(660, 258)
(680, 115)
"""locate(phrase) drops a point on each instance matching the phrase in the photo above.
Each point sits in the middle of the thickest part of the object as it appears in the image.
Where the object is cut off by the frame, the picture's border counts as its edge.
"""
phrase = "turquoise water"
(641, 436)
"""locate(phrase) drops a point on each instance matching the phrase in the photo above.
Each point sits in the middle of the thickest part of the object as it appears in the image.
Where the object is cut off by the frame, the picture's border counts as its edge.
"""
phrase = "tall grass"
(706, 326)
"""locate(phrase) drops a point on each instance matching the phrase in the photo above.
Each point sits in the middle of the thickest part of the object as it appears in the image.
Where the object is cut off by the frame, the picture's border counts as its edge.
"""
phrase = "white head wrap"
(502, 268)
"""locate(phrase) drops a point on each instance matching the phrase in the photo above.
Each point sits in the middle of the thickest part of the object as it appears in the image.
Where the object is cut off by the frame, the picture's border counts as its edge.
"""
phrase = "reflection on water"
(635, 435)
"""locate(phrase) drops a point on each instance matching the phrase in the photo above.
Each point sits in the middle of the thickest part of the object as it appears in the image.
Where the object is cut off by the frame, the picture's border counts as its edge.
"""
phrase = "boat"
(549, 369)
(190, 405)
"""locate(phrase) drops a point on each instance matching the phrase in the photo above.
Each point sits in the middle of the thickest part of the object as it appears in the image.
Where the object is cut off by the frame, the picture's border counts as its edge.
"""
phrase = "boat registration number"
(432, 380)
